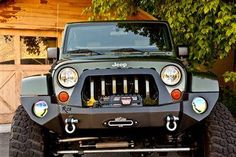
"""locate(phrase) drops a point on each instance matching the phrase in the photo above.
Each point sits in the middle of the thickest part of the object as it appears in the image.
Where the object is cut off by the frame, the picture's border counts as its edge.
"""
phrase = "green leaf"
(230, 76)
(206, 9)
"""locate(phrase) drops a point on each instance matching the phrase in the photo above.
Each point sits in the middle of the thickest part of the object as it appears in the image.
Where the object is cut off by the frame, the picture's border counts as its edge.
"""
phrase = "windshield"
(116, 38)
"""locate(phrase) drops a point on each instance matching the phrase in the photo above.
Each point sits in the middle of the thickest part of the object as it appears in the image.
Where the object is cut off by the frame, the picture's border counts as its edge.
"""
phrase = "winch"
(120, 100)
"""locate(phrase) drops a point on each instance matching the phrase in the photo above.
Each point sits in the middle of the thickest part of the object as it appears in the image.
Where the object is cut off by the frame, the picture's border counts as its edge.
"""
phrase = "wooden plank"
(29, 27)
(35, 67)
(59, 39)
(52, 4)
(8, 92)
(39, 8)
(18, 88)
(24, 67)
(27, 32)
(9, 77)
(53, 15)
(17, 49)
(33, 7)
(31, 11)
(5, 104)
(6, 118)
(41, 21)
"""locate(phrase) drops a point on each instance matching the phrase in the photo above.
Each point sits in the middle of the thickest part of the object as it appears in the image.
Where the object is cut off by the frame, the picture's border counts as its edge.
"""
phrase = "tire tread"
(221, 133)
(26, 136)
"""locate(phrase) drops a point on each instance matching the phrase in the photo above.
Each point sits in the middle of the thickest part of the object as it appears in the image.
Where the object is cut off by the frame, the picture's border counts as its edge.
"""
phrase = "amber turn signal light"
(176, 94)
(63, 96)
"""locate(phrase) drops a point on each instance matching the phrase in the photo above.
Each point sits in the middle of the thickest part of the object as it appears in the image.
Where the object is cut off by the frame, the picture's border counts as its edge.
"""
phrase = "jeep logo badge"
(119, 65)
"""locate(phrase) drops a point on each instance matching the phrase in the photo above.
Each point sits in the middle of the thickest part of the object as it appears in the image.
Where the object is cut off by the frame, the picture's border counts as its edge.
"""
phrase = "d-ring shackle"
(171, 124)
(70, 123)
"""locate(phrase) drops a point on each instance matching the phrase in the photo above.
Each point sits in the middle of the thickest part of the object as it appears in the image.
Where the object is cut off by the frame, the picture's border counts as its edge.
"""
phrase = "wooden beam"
(21, 26)
(29, 32)
(17, 52)
(25, 67)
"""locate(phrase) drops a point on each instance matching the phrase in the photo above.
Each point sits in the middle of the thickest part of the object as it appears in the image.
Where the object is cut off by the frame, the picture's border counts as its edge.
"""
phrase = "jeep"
(121, 87)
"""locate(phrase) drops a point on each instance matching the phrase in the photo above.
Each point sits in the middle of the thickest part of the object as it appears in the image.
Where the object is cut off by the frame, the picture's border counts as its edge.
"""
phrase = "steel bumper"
(96, 118)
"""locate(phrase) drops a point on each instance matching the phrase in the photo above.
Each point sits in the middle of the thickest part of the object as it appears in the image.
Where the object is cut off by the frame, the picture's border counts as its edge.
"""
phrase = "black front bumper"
(95, 118)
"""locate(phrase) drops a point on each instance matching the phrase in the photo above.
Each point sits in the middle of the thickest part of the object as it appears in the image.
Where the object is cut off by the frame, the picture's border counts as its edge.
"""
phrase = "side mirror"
(183, 51)
(53, 52)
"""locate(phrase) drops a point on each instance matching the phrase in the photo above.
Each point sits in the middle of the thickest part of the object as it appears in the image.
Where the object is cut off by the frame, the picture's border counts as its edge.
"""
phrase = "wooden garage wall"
(30, 18)
(35, 18)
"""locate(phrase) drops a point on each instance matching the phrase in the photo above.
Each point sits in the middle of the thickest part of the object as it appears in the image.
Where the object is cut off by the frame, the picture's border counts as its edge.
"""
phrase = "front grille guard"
(164, 96)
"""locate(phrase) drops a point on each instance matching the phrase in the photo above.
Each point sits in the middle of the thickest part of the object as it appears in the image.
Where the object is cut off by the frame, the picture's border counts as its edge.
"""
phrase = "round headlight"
(40, 109)
(68, 77)
(170, 75)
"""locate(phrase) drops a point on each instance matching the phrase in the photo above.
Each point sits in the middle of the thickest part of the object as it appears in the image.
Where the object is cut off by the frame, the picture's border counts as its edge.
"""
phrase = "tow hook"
(70, 125)
(171, 122)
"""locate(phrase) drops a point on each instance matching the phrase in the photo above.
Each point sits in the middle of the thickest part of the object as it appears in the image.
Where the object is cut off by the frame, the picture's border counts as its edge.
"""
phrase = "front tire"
(26, 136)
(220, 133)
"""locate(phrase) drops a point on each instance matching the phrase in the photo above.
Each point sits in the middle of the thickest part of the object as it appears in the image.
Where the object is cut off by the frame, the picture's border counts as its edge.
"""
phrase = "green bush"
(230, 76)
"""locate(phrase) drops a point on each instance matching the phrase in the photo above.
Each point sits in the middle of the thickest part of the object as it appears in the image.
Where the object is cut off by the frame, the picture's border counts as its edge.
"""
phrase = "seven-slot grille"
(119, 90)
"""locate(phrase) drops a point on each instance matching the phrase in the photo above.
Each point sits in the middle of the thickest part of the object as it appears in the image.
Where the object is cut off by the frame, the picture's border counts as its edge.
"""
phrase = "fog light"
(199, 105)
(40, 109)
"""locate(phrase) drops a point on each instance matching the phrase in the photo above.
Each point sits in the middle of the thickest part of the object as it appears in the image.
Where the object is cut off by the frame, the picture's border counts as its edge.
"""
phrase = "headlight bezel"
(178, 79)
(64, 84)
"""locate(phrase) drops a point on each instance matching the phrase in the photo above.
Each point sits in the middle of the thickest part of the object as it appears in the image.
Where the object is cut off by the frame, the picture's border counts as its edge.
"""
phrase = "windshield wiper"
(83, 52)
(130, 51)
(127, 50)
(133, 51)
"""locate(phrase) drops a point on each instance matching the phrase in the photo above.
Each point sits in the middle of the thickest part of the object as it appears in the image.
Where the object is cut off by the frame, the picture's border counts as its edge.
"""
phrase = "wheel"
(27, 137)
(219, 134)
